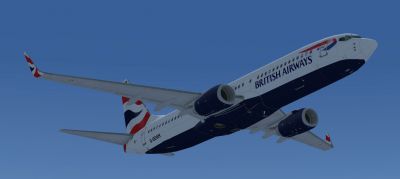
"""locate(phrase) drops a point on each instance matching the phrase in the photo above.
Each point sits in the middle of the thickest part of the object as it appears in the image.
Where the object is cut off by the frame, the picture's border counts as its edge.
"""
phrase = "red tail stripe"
(124, 99)
(141, 124)
(36, 74)
(139, 102)
(28, 59)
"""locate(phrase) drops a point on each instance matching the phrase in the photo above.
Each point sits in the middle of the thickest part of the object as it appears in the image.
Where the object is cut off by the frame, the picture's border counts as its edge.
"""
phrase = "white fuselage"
(269, 77)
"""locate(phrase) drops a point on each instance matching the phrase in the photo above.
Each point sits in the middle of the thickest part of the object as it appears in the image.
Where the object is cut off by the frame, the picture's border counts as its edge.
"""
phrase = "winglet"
(328, 139)
(35, 71)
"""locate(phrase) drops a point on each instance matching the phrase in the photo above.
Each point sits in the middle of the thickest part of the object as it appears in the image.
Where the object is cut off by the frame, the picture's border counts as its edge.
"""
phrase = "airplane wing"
(313, 140)
(160, 96)
(268, 125)
(116, 138)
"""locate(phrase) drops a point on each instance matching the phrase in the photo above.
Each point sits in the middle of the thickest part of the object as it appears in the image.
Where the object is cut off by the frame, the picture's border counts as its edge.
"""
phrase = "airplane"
(252, 102)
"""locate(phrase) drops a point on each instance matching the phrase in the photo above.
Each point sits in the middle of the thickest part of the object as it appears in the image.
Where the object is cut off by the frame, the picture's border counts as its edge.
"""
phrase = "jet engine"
(298, 122)
(215, 99)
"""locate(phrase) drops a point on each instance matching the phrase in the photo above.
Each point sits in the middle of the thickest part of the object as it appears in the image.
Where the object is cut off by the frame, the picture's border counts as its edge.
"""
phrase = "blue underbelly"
(252, 110)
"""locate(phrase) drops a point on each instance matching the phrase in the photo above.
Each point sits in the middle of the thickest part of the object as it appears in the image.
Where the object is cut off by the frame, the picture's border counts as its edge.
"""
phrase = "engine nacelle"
(298, 122)
(215, 99)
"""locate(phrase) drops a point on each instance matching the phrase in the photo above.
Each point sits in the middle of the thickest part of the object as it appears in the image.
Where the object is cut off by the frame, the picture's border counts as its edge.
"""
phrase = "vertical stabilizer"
(136, 115)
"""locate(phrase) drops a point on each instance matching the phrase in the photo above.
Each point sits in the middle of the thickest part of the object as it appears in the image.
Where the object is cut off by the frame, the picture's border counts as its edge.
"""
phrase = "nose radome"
(368, 47)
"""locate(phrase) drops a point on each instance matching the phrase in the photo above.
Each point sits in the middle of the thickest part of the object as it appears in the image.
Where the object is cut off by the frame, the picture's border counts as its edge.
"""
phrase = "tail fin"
(136, 115)
(35, 71)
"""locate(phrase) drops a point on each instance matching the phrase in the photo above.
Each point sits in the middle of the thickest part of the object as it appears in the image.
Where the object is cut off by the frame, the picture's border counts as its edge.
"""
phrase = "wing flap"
(115, 138)
(266, 123)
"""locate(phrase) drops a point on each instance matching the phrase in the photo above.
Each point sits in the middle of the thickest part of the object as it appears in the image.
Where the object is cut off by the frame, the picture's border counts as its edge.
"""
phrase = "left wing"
(268, 124)
(162, 97)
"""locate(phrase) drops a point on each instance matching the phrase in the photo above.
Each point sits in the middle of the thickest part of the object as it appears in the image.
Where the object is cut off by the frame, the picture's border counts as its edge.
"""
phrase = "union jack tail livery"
(136, 115)
(35, 71)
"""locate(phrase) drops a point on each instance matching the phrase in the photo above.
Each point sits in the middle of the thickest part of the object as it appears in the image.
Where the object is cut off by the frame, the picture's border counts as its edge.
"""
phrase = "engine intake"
(298, 122)
(215, 99)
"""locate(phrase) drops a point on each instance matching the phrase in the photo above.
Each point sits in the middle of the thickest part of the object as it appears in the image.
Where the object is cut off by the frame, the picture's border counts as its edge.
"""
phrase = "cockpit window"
(348, 37)
(345, 38)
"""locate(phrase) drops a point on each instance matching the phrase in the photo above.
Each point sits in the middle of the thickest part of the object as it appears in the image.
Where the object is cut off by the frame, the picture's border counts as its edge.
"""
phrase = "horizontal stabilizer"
(116, 138)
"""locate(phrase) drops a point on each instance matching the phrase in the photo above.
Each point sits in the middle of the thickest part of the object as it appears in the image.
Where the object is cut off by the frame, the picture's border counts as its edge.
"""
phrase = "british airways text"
(283, 71)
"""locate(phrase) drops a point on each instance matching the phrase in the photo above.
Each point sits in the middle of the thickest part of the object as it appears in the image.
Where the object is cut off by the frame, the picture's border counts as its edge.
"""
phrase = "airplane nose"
(368, 47)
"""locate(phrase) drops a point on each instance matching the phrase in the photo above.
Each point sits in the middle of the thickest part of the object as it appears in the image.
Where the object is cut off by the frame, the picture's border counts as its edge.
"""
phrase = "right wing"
(116, 138)
(160, 96)
(268, 126)
(313, 140)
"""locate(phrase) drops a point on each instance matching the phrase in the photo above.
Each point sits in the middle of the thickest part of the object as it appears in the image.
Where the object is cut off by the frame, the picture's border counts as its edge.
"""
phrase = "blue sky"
(190, 46)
